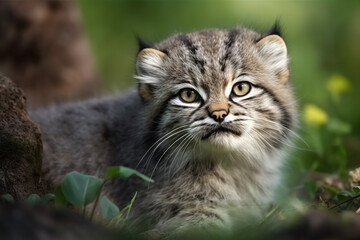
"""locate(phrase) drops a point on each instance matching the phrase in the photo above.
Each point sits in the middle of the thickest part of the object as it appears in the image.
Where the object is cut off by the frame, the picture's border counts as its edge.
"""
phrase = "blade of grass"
(130, 205)
(346, 201)
(97, 199)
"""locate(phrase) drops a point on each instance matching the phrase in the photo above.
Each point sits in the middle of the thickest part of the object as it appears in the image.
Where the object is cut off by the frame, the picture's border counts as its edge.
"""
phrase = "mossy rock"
(20, 144)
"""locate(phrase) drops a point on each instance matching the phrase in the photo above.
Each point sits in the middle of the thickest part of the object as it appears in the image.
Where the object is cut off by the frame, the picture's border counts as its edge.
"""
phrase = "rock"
(20, 145)
(43, 50)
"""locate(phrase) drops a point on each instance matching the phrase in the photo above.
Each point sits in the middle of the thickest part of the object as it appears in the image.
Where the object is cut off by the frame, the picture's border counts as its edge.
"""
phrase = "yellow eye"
(189, 95)
(241, 89)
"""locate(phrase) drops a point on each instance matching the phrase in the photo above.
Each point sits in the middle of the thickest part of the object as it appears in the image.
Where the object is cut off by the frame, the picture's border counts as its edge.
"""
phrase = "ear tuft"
(276, 29)
(272, 49)
(149, 71)
(143, 44)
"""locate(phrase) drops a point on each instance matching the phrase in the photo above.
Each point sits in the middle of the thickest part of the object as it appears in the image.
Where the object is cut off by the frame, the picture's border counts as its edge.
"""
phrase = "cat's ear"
(273, 51)
(149, 71)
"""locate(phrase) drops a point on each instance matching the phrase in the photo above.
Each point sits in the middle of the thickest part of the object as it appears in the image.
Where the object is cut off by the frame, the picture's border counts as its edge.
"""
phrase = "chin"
(221, 142)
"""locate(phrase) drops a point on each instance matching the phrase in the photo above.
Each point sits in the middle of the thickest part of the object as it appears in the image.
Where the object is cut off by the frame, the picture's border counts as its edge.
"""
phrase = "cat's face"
(218, 91)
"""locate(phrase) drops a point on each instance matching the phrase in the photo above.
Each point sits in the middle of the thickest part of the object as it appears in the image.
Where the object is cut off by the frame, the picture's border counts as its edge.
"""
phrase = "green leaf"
(47, 197)
(124, 173)
(356, 189)
(8, 197)
(60, 200)
(80, 189)
(108, 208)
(331, 189)
(33, 199)
(344, 195)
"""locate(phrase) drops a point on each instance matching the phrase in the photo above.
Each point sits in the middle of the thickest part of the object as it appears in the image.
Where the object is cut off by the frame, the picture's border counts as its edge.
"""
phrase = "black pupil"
(189, 93)
(240, 87)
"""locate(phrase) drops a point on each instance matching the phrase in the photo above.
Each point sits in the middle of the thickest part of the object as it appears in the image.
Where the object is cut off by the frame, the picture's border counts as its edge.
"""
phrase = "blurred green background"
(323, 39)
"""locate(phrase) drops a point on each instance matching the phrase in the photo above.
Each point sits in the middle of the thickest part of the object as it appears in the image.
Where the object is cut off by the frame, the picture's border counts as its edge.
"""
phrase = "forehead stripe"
(192, 49)
(231, 37)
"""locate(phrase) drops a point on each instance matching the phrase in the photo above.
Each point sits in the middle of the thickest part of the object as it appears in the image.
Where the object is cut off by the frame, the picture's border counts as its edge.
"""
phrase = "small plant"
(80, 190)
(32, 199)
(346, 199)
(327, 164)
(326, 131)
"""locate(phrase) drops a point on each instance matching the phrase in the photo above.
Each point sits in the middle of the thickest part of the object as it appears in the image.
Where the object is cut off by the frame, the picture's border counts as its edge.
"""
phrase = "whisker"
(163, 138)
(178, 149)
(183, 143)
(281, 126)
(166, 152)
(159, 144)
(167, 134)
(182, 163)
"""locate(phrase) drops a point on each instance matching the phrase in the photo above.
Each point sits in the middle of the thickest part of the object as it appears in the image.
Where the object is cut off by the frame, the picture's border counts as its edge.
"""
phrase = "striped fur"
(215, 159)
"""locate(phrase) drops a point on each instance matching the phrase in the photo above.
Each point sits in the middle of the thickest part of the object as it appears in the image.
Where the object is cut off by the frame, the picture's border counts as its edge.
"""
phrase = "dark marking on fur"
(183, 81)
(206, 87)
(106, 132)
(220, 129)
(155, 122)
(197, 109)
(181, 107)
(199, 119)
(239, 120)
(165, 51)
(174, 210)
(269, 114)
(256, 96)
(286, 120)
(238, 104)
(193, 50)
(218, 176)
(174, 123)
(200, 197)
(228, 45)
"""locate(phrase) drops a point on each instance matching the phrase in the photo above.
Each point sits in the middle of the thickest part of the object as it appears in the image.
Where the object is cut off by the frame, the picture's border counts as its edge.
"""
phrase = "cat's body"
(210, 127)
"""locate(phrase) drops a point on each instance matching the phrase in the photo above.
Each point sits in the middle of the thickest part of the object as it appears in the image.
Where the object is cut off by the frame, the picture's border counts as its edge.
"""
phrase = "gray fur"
(202, 182)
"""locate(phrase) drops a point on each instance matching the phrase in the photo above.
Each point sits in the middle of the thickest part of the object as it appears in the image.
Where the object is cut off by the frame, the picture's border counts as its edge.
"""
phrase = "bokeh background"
(323, 39)
(42, 49)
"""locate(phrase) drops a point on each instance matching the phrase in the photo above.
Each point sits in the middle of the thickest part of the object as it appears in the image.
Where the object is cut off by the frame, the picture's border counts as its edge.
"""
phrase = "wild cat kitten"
(210, 123)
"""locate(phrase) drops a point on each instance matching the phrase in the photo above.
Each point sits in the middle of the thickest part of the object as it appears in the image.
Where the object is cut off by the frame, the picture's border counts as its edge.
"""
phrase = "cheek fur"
(175, 116)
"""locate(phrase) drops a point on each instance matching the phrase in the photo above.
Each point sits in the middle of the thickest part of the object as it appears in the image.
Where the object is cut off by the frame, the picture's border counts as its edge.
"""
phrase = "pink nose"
(219, 115)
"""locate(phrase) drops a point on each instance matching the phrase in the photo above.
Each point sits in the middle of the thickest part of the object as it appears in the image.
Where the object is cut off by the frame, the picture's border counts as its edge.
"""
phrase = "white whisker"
(176, 149)
(158, 145)
(183, 143)
(167, 134)
(280, 130)
(186, 134)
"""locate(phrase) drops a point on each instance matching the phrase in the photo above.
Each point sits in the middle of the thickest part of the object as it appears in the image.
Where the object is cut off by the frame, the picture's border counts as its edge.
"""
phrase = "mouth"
(220, 130)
